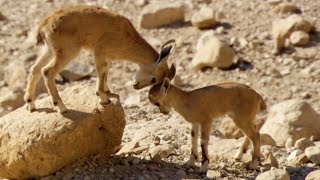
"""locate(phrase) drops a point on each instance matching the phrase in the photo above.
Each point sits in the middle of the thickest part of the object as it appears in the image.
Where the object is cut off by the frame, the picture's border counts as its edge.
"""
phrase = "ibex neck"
(141, 52)
(177, 98)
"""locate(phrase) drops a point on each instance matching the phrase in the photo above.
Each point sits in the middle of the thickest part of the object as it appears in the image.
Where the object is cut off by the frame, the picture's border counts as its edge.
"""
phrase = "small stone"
(294, 154)
(136, 161)
(299, 38)
(286, 8)
(181, 173)
(161, 151)
(127, 147)
(303, 143)
(313, 153)
(211, 174)
(270, 159)
(204, 18)
(299, 160)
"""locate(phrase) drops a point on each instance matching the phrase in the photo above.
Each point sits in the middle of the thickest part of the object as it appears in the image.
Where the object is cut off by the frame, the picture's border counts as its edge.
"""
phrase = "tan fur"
(108, 35)
(202, 106)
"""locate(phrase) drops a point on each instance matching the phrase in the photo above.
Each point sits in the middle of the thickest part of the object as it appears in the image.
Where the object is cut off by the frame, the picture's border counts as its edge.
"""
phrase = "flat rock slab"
(40, 143)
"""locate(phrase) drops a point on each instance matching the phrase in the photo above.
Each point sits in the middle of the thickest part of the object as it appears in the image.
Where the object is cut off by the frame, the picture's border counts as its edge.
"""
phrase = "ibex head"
(155, 73)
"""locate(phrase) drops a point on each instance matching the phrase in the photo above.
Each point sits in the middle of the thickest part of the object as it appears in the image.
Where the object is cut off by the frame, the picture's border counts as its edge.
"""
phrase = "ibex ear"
(166, 50)
(166, 84)
(172, 72)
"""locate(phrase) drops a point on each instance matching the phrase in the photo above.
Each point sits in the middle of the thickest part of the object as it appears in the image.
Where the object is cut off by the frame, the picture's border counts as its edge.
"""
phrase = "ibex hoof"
(204, 167)
(30, 107)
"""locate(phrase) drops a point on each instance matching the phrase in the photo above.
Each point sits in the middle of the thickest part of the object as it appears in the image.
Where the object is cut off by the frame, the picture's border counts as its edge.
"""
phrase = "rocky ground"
(245, 24)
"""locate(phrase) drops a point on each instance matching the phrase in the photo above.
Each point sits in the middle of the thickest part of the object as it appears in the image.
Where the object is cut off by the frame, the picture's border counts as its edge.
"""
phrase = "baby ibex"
(201, 106)
(109, 35)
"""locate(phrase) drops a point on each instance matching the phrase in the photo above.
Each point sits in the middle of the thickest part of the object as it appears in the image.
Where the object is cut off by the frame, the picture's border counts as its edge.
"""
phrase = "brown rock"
(40, 143)
(303, 143)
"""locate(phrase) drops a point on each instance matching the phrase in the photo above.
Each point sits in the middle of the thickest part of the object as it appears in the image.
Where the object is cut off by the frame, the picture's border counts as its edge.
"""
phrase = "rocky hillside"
(270, 45)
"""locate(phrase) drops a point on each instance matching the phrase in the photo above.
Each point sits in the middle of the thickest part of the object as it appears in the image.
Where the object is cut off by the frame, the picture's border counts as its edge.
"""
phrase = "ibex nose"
(136, 85)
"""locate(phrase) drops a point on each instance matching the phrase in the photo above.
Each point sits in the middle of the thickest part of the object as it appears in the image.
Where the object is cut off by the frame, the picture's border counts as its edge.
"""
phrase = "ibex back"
(108, 35)
(202, 106)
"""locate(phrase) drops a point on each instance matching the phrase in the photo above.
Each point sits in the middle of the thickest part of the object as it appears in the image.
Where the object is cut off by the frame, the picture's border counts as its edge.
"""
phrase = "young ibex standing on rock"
(109, 35)
(201, 106)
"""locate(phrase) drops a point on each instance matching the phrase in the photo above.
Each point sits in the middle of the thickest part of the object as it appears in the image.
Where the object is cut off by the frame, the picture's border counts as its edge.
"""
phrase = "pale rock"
(132, 100)
(313, 153)
(213, 53)
(286, 8)
(140, 2)
(282, 29)
(204, 18)
(294, 154)
(314, 175)
(138, 150)
(299, 38)
(274, 2)
(11, 99)
(128, 147)
(303, 143)
(269, 159)
(159, 14)
(160, 152)
(40, 143)
(77, 70)
(299, 160)
(212, 174)
(291, 119)
(15, 75)
(277, 174)
(229, 129)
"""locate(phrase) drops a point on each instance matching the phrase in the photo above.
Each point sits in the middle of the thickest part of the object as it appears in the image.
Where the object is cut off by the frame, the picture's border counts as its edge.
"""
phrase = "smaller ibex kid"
(202, 106)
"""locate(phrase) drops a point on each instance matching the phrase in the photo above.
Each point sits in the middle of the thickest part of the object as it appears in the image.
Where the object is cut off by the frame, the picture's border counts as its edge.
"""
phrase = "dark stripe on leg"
(204, 154)
(192, 133)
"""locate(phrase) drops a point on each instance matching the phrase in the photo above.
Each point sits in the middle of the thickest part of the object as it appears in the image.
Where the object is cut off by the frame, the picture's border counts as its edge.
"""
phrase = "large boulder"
(293, 119)
(40, 143)
(212, 52)
(156, 15)
(282, 29)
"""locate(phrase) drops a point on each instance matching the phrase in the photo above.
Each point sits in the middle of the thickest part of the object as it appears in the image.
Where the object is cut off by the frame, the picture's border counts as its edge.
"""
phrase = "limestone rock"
(270, 159)
(127, 147)
(11, 99)
(299, 38)
(162, 151)
(40, 143)
(303, 143)
(313, 153)
(277, 174)
(282, 29)
(291, 119)
(299, 160)
(229, 129)
(213, 53)
(204, 18)
(286, 8)
(159, 14)
(15, 75)
(314, 175)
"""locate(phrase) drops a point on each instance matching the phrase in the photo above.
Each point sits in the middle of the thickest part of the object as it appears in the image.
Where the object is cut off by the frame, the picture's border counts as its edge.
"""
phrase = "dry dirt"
(293, 74)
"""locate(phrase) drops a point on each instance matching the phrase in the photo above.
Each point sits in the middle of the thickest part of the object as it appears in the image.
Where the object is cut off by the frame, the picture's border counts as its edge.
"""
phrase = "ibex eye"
(153, 80)
(157, 104)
